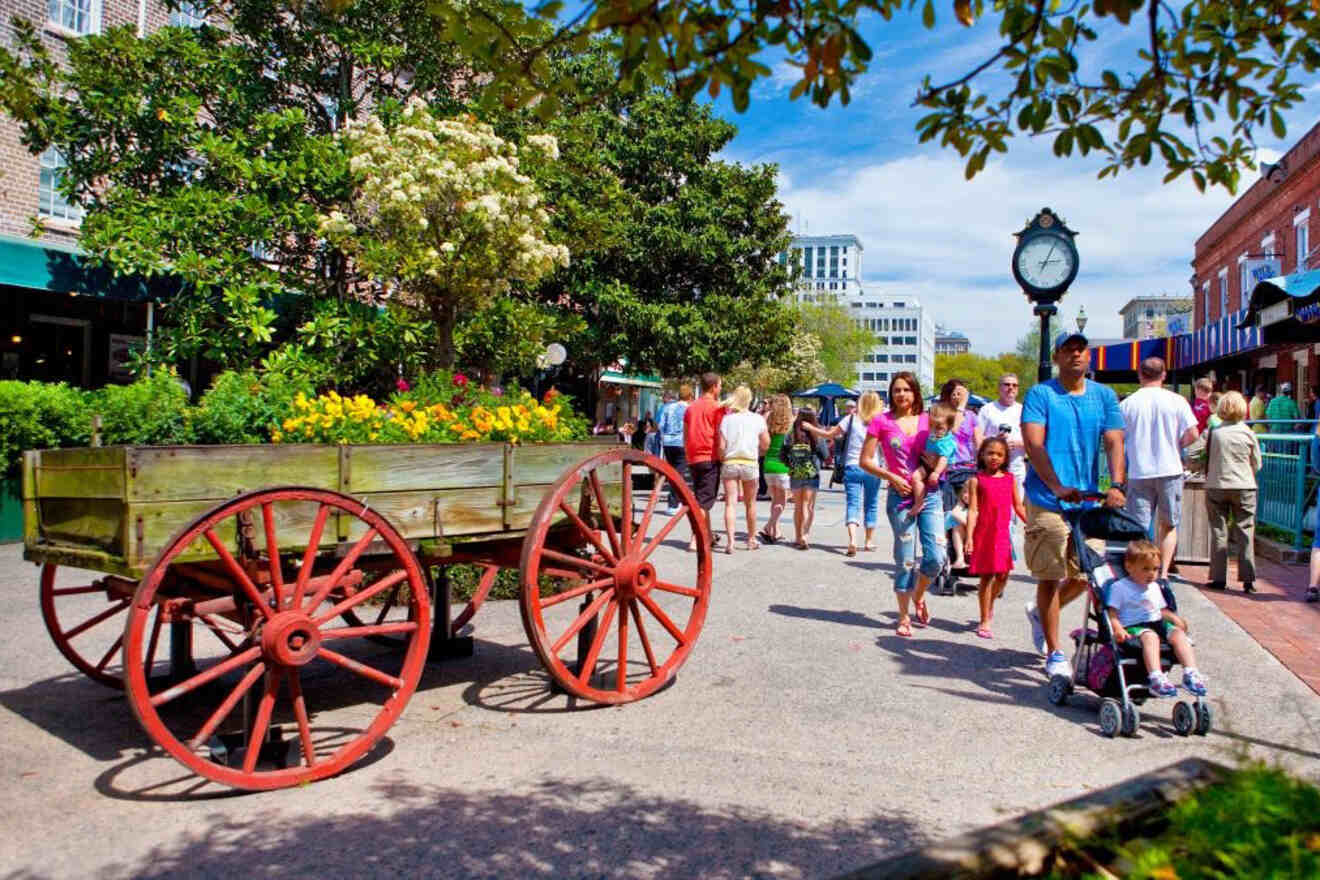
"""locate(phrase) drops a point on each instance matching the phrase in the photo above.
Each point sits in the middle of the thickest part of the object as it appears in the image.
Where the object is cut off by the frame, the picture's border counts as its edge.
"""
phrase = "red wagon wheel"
(280, 617)
(646, 620)
(86, 623)
(489, 571)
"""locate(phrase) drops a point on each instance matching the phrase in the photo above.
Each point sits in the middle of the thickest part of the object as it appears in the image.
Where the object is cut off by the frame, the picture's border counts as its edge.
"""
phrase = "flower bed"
(430, 413)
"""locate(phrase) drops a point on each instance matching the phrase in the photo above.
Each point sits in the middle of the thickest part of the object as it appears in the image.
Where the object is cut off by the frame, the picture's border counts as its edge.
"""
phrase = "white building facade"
(831, 271)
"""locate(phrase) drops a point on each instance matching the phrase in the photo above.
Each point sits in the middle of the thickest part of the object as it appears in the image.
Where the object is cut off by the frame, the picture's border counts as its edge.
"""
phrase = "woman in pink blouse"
(901, 433)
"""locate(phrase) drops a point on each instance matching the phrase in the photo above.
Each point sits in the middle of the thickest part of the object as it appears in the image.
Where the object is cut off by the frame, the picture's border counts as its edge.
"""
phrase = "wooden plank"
(161, 521)
(80, 557)
(442, 514)
(79, 473)
(538, 464)
(188, 473)
(31, 513)
(424, 467)
(94, 523)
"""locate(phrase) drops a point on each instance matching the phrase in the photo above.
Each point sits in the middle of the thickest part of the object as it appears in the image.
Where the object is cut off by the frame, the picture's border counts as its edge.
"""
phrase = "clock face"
(1047, 261)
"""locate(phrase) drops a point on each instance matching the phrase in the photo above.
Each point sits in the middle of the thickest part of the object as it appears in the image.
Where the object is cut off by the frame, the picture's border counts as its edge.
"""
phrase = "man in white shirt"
(1003, 418)
(1159, 423)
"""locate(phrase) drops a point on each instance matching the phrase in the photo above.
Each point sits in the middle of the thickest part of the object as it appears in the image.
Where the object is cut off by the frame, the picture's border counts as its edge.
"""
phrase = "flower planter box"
(1023, 847)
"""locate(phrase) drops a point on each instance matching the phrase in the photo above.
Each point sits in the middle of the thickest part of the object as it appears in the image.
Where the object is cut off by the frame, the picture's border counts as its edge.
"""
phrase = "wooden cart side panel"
(190, 473)
(420, 468)
(31, 519)
(151, 525)
(80, 473)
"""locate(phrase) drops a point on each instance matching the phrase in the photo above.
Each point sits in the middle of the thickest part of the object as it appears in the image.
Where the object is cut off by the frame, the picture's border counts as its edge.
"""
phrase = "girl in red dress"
(993, 499)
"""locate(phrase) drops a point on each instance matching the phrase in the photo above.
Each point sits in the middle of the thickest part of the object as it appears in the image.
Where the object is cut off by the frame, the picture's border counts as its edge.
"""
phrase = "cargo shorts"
(1049, 549)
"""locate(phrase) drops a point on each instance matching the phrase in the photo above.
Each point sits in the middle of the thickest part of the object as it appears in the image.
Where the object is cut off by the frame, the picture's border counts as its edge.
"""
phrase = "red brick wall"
(21, 169)
(1264, 208)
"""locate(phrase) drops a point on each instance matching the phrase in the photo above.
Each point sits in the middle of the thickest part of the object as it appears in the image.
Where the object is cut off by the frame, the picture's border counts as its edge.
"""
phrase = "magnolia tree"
(442, 212)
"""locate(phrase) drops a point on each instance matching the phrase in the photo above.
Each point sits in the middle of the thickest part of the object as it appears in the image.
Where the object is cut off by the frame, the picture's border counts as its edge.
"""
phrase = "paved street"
(802, 739)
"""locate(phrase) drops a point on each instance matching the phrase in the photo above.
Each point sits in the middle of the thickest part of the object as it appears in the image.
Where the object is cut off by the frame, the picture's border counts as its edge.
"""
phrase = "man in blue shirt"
(669, 422)
(1064, 422)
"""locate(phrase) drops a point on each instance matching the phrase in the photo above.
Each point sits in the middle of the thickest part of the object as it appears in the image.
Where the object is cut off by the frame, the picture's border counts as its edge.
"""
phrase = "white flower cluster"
(441, 204)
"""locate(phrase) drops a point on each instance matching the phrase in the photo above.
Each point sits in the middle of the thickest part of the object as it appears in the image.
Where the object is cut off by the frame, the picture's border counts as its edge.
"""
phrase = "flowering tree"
(442, 211)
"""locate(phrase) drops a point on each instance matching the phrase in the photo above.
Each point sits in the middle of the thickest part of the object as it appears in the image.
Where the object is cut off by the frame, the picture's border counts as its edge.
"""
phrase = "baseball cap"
(1066, 337)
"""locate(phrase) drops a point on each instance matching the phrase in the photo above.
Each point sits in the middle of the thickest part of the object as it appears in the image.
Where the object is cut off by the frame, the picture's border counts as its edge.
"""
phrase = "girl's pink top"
(902, 451)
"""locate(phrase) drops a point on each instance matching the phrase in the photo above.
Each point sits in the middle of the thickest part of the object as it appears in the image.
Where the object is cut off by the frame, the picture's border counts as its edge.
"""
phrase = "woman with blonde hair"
(743, 437)
(780, 422)
(1232, 460)
(861, 489)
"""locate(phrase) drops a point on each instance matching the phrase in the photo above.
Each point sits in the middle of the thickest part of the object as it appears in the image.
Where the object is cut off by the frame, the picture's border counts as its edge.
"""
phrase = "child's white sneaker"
(1160, 686)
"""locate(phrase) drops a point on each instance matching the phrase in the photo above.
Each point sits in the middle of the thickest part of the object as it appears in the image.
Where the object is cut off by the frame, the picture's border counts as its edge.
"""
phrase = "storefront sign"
(1280, 311)
(1309, 314)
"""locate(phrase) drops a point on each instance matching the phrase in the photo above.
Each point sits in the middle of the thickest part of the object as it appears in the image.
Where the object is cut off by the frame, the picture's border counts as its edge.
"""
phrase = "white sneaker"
(1037, 631)
(1058, 664)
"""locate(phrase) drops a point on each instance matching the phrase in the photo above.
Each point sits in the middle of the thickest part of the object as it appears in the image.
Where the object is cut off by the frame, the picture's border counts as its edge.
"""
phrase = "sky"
(928, 232)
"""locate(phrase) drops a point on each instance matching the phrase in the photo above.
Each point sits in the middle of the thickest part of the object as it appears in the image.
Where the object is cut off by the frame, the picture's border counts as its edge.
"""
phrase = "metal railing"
(1281, 486)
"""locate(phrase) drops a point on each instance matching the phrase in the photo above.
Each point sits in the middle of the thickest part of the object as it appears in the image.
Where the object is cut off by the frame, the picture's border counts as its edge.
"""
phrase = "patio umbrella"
(827, 393)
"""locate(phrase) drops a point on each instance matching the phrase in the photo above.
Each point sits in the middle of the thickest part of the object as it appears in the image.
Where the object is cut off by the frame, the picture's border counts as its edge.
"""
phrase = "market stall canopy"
(827, 394)
(618, 378)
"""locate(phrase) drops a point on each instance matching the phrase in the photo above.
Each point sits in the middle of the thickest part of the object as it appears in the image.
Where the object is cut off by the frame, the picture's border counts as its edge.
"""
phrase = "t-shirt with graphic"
(670, 422)
(902, 451)
(1073, 424)
(1134, 602)
(1201, 409)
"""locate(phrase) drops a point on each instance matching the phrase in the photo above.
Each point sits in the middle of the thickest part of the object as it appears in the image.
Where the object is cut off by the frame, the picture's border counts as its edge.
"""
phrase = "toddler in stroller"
(1131, 620)
(953, 491)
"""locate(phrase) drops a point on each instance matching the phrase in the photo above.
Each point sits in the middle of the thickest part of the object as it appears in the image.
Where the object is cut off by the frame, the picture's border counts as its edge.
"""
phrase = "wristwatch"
(1122, 487)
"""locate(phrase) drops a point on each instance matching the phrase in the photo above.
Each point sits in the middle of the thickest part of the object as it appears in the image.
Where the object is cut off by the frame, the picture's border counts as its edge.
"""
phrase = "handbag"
(841, 456)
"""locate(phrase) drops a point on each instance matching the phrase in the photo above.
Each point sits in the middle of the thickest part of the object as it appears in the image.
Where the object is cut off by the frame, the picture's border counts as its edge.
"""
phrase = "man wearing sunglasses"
(1003, 418)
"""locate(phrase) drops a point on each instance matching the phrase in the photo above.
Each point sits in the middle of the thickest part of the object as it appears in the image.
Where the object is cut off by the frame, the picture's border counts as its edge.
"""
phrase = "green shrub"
(244, 407)
(40, 415)
(153, 411)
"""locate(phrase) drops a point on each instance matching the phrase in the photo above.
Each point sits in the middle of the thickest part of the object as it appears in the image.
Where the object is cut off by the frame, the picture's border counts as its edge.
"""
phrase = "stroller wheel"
(1131, 719)
(1183, 719)
(1204, 718)
(1060, 689)
(1111, 717)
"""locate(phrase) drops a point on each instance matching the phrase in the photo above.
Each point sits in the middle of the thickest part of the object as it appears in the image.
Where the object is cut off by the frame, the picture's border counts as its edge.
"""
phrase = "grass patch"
(1259, 822)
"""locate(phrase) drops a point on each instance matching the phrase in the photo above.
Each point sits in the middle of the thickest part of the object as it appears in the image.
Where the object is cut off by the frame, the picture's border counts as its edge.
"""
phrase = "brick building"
(60, 320)
(1271, 230)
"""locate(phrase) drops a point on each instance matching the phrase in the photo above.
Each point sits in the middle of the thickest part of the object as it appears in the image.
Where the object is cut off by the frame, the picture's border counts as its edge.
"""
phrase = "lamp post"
(547, 362)
(1044, 265)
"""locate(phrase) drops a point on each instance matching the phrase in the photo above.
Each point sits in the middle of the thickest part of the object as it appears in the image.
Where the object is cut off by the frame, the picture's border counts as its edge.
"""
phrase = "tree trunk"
(445, 316)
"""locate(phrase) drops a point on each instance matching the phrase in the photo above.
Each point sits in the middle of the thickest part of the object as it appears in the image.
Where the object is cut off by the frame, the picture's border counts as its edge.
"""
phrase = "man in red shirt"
(701, 427)
(1201, 403)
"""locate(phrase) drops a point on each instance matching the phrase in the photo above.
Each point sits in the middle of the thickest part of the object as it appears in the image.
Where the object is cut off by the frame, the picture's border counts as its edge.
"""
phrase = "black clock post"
(1044, 266)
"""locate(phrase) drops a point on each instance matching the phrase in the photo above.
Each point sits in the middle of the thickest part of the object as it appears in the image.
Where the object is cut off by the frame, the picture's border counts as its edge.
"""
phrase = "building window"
(855, 305)
(1205, 303)
(909, 358)
(51, 202)
(78, 16)
(1303, 245)
(882, 359)
(1223, 292)
(882, 377)
(868, 377)
(898, 305)
(193, 15)
(806, 262)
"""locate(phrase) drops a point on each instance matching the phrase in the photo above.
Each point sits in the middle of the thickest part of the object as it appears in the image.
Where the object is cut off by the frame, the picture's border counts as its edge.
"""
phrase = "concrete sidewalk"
(802, 739)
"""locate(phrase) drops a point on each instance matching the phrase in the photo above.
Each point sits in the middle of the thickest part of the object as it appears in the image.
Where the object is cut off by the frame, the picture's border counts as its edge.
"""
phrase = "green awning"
(618, 378)
(36, 265)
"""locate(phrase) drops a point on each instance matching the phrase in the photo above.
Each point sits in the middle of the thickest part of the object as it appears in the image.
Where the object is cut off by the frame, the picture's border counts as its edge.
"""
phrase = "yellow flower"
(470, 435)
(373, 435)
(291, 424)
(276, 436)
(408, 406)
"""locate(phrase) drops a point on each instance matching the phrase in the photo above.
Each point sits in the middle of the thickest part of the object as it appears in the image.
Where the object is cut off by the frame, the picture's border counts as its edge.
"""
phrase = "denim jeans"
(861, 492)
(929, 529)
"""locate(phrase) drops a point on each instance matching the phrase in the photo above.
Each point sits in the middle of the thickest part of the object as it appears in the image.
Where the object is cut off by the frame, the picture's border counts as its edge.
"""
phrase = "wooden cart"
(249, 585)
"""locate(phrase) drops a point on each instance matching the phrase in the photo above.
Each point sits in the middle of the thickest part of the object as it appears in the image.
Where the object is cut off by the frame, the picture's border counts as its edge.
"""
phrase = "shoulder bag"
(841, 455)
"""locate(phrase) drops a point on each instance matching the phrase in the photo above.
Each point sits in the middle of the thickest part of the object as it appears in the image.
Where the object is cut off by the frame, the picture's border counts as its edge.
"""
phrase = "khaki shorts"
(1049, 549)
(777, 481)
(743, 472)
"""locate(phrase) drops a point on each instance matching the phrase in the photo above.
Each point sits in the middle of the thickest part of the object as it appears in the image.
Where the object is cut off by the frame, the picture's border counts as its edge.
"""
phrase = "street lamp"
(1044, 265)
(1081, 320)
(547, 362)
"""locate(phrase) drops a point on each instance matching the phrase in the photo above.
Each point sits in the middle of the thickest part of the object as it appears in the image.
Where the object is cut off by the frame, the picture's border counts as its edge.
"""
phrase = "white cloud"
(928, 232)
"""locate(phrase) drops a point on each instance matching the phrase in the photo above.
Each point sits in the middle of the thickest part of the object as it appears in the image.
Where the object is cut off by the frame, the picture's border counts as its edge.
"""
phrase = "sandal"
(852, 551)
(1313, 594)
(868, 548)
(904, 629)
(801, 544)
(753, 545)
(923, 612)
(984, 632)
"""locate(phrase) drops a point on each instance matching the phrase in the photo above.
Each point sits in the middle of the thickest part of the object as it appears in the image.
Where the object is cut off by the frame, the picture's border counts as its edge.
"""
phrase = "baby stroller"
(946, 582)
(1112, 671)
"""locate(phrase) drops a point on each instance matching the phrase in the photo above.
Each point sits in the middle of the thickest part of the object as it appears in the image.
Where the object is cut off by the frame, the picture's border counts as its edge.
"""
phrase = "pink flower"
(402, 385)
(460, 380)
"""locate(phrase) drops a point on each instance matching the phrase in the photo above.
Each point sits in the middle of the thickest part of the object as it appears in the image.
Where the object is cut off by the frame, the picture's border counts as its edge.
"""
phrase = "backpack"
(800, 459)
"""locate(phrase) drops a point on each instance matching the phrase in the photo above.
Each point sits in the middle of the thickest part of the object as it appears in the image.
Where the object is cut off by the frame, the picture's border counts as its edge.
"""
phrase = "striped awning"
(1220, 339)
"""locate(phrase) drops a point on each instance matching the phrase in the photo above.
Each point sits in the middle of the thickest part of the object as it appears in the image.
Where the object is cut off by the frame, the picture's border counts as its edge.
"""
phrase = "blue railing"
(1282, 492)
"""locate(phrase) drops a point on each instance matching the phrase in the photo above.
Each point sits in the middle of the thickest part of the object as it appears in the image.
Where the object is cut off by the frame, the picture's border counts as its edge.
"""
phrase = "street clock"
(1045, 259)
